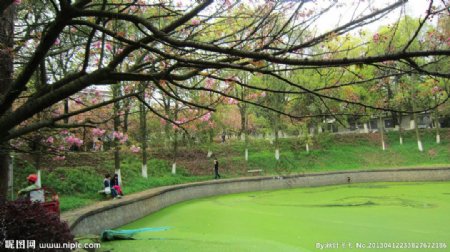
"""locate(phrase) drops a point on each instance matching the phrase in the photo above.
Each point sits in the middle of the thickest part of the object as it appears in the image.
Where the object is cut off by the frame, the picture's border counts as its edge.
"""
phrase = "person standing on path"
(216, 169)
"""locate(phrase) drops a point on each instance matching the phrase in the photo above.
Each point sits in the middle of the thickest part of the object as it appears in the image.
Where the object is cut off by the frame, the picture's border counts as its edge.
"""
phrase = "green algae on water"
(300, 219)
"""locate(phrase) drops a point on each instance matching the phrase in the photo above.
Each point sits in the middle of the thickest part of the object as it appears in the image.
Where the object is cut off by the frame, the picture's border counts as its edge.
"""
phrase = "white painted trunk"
(144, 171)
(277, 154)
(419, 144)
(174, 168)
(119, 176)
(307, 148)
(319, 130)
(366, 128)
(246, 154)
(383, 145)
(438, 139)
(38, 182)
(401, 140)
(209, 153)
(411, 124)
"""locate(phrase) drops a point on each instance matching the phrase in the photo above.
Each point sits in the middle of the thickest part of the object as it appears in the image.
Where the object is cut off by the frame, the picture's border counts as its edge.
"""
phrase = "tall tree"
(143, 129)
(6, 79)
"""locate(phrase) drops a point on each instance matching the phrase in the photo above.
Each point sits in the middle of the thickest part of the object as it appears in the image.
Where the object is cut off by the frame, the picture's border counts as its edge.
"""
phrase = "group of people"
(112, 186)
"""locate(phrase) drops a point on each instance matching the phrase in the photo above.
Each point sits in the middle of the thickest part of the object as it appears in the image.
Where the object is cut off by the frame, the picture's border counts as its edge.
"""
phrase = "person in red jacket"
(30, 192)
(115, 185)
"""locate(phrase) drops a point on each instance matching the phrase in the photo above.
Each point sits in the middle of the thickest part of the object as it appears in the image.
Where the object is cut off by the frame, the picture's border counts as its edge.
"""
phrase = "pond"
(332, 218)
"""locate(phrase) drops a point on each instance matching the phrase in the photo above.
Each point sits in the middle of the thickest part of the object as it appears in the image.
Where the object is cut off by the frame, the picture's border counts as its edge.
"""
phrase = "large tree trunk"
(4, 171)
(6, 72)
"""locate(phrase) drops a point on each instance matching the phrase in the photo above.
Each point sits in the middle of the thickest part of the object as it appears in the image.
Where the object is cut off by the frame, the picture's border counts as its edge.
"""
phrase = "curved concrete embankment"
(112, 214)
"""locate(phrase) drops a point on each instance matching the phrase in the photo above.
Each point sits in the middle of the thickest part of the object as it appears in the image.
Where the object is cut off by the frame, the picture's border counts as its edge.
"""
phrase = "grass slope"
(80, 177)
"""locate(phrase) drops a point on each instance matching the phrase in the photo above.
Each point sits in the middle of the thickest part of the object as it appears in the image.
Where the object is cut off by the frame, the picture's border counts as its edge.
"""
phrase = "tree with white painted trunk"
(117, 134)
(381, 122)
(242, 93)
(437, 125)
(143, 130)
(400, 128)
(277, 101)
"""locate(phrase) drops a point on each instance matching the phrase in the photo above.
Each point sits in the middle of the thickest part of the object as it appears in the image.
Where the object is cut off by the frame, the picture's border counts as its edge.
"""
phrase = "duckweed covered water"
(375, 214)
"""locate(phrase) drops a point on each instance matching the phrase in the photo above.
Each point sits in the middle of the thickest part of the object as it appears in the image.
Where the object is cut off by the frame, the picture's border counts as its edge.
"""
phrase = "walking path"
(94, 218)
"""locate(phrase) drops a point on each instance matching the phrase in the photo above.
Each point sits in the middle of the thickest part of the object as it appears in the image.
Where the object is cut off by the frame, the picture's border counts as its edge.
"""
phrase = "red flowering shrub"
(23, 220)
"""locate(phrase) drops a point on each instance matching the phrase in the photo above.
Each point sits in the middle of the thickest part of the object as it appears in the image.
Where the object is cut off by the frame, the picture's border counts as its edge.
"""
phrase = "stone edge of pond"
(76, 217)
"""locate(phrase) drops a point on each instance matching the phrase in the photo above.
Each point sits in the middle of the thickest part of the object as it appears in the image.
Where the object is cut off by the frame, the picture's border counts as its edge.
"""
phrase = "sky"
(414, 8)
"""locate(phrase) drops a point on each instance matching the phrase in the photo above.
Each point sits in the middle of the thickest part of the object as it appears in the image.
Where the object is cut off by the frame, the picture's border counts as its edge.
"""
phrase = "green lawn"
(373, 214)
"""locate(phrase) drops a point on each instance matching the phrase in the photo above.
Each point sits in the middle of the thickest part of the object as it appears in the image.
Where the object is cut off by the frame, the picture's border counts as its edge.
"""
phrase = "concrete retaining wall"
(111, 214)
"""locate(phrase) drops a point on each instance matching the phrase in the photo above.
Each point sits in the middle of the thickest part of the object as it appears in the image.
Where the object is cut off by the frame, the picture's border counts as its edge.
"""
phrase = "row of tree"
(181, 60)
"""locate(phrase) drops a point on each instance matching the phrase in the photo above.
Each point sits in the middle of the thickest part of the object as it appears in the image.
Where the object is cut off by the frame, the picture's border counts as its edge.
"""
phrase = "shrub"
(23, 220)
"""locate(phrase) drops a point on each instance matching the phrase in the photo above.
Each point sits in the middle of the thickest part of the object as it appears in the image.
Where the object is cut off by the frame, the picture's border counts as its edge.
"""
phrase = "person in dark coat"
(216, 169)
(108, 188)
